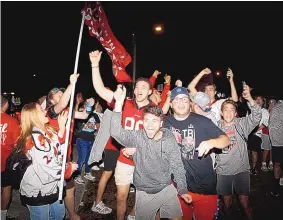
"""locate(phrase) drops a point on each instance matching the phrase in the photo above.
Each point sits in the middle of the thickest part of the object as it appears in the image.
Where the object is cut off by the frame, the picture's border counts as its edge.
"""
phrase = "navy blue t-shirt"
(189, 133)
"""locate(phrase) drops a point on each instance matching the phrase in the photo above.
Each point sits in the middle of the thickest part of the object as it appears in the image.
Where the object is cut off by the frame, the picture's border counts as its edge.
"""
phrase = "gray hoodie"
(237, 160)
(155, 160)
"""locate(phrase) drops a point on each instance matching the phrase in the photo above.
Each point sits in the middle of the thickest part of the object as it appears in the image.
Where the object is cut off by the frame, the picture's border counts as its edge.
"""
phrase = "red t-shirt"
(10, 132)
(132, 119)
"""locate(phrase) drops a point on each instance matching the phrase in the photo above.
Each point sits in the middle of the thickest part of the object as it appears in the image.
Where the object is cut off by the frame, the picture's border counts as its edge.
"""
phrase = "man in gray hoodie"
(233, 163)
(156, 156)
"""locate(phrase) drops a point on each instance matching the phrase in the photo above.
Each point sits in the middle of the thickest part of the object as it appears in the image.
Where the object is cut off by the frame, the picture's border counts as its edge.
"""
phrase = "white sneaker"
(89, 177)
(95, 168)
(79, 180)
(130, 217)
(101, 208)
(270, 167)
(264, 167)
(281, 181)
(101, 165)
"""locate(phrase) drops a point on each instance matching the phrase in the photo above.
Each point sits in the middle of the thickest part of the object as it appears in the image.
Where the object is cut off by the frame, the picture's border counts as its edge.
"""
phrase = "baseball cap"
(201, 99)
(178, 91)
(54, 91)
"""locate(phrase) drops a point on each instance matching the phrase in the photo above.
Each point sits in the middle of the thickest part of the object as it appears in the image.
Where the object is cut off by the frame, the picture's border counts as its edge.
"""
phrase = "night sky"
(41, 38)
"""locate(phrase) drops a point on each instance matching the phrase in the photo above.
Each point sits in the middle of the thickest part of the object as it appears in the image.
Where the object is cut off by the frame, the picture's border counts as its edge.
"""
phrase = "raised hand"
(95, 56)
(91, 100)
(206, 71)
(120, 93)
(246, 93)
(73, 78)
(230, 75)
(156, 73)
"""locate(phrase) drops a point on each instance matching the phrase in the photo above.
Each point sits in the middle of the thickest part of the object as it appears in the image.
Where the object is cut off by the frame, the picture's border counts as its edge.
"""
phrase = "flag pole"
(68, 126)
(134, 60)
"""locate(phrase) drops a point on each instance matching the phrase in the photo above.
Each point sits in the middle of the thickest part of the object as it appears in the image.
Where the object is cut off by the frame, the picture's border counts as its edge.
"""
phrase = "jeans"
(54, 211)
(84, 149)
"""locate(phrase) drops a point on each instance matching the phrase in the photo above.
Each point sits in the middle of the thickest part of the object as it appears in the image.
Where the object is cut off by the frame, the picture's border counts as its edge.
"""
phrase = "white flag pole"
(70, 114)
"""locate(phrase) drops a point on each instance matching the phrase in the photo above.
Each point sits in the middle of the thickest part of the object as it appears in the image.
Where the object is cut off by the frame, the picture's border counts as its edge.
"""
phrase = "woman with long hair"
(41, 143)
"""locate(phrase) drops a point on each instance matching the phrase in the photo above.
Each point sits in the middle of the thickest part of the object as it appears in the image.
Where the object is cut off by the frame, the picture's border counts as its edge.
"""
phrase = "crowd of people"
(180, 150)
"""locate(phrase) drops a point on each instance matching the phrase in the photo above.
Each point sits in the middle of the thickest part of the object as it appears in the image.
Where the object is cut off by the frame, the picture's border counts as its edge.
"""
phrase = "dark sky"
(41, 38)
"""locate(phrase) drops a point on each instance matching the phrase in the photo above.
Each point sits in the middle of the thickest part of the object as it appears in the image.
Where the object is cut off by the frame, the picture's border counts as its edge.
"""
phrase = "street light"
(158, 29)
(217, 73)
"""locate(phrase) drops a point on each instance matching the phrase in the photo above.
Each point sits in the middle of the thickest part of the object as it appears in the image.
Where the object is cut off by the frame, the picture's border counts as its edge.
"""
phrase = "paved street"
(265, 207)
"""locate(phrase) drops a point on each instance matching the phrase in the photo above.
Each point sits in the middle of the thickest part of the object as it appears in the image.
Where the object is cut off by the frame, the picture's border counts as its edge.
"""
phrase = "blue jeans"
(84, 149)
(54, 211)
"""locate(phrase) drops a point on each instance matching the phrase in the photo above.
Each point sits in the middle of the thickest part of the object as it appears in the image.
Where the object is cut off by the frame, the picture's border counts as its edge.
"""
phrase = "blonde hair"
(29, 120)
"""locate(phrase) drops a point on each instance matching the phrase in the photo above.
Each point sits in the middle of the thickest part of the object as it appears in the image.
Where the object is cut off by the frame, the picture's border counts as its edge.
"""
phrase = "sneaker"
(270, 167)
(89, 177)
(79, 180)
(130, 217)
(281, 181)
(95, 168)
(101, 208)
(132, 189)
(101, 165)
(253, 171)
(264, 167)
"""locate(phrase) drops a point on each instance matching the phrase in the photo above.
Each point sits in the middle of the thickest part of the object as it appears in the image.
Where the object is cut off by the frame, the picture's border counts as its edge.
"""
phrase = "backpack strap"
(242, 135)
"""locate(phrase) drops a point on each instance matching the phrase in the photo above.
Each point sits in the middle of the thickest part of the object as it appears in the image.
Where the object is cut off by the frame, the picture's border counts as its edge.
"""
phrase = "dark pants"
(84, 149)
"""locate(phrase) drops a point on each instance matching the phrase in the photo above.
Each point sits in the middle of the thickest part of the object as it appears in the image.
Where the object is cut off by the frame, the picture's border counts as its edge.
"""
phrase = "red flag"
(98, 26)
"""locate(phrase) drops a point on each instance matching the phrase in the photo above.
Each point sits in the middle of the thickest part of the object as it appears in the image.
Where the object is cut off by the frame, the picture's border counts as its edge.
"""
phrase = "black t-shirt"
(189, 133)
(87, 128)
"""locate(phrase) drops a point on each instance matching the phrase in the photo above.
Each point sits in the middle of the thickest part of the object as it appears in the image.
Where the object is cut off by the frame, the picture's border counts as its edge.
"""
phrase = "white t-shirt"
(264, 120)
(216, 108)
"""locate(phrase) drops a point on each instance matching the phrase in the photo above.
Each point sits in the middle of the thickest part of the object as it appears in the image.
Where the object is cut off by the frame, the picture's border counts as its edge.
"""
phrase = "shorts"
(70, 183)
(266, 144)
(166, 200)
(228, 184)
(110, 159)
(200, 202)
(5, 181)
(124, 174)
(254, 143)
(277, 154)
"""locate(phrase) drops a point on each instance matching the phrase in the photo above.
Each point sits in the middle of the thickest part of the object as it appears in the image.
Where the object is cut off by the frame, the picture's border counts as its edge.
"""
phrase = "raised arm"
(125, 137)
(252, 120)
(153, 78)
(194, 82)
(166, 89)
(84, 114)
(234, 94)
(97, 82)
(62, 104)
